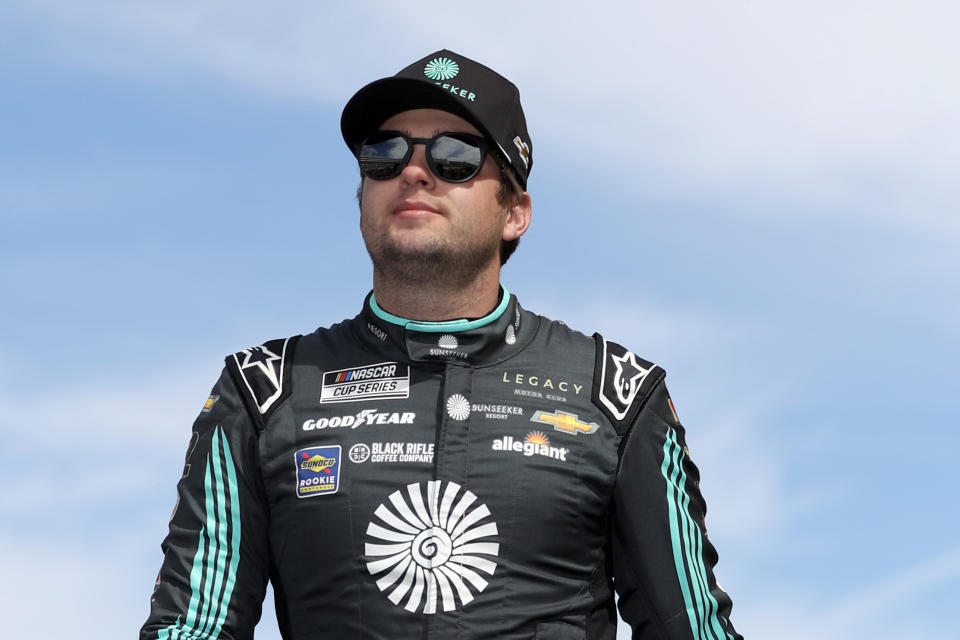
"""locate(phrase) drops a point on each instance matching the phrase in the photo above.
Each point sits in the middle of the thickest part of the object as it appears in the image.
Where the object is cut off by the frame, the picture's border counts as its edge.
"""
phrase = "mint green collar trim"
(444, 325)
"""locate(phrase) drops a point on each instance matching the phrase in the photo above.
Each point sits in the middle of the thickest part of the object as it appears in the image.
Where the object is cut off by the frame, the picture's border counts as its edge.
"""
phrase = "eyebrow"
(435, 133)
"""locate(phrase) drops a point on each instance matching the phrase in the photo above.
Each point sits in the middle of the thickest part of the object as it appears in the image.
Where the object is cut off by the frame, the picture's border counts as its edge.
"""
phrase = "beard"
(432, 262)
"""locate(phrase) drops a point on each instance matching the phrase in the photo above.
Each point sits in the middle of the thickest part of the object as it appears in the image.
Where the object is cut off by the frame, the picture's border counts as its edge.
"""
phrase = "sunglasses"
(452, 156)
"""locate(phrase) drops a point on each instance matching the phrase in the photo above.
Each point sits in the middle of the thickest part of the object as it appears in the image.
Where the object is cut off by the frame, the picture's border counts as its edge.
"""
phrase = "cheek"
(372, 196)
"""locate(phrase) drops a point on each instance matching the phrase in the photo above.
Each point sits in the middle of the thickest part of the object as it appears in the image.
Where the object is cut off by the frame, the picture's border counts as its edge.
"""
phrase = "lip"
(413, 208)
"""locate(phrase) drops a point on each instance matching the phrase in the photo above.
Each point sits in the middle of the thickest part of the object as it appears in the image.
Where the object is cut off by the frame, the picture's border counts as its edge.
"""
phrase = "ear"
(518, 217)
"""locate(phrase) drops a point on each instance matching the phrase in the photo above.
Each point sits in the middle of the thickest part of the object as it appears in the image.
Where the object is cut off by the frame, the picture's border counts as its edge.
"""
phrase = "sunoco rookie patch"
(318, 471)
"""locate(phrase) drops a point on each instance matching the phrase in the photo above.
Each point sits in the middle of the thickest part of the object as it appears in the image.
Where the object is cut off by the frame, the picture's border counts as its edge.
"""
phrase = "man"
(446, 464)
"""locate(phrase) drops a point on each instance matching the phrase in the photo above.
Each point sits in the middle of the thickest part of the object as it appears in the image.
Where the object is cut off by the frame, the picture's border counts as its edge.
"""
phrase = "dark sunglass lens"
(382, 157)
(456, 159)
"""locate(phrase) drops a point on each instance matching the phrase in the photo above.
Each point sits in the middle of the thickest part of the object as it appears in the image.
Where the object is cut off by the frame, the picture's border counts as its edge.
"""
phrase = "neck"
(435, 301)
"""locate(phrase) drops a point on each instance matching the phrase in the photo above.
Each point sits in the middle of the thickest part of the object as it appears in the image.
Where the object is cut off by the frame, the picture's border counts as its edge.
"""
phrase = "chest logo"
(318, 471)
(430, 545)
(382, 381)
(458, 407)
(565, 422)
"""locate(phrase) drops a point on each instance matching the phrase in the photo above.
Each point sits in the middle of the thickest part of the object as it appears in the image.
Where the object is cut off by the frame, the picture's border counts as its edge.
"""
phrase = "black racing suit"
(494, 478)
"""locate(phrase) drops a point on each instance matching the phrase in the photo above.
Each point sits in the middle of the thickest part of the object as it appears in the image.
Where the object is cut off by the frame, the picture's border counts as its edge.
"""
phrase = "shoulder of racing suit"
(262, 373)
(622, 382)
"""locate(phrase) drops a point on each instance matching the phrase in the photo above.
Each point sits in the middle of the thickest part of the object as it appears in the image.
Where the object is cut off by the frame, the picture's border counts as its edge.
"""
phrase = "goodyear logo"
(565, 422)
(318, 471)
(381, 381)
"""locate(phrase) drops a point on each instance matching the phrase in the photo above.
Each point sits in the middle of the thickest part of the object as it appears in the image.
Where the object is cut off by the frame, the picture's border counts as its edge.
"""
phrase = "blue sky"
(761, 198)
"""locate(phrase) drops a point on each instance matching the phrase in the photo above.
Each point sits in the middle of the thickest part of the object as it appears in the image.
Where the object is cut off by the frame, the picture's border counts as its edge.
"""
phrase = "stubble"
(433, 263)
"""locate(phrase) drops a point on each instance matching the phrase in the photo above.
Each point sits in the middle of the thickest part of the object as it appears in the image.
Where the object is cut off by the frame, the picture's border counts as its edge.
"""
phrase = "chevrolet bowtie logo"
(565, 422)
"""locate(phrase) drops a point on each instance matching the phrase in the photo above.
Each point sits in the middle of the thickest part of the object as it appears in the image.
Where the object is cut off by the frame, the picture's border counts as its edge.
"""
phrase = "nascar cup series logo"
(430, 546)
(441, 69)
(382, 381)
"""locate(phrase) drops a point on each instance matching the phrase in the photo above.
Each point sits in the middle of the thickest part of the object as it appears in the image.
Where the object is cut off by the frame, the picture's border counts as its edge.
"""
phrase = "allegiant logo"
(531, 446)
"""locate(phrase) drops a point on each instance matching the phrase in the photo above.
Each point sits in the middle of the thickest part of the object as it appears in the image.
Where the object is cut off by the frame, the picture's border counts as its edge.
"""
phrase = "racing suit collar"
(466, 342)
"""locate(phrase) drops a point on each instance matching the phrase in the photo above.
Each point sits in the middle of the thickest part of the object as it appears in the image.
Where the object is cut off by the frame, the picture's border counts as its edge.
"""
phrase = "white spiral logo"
(458, 407)
(441, 69)
(429, 546)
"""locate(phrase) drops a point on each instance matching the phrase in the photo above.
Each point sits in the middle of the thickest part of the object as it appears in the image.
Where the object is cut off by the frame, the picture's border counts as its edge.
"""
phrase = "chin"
(415, 243)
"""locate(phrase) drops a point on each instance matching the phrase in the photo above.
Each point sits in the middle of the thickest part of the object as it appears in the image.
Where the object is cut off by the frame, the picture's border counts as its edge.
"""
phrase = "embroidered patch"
(262, 370)
(318, 471)
(383, 381)
(212, 400)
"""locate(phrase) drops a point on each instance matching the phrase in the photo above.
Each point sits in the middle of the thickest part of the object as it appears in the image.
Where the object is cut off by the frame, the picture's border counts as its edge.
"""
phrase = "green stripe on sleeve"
(700, 603)
(233, 544)
(218, 544)
(218, 566)
(669, 470)
(694, 542)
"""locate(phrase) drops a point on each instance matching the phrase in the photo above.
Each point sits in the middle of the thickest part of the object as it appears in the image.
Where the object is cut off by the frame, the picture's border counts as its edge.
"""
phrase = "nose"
(417, 171)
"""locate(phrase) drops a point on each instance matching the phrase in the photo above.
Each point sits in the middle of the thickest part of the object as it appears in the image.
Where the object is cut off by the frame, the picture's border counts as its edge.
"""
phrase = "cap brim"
(372, 105)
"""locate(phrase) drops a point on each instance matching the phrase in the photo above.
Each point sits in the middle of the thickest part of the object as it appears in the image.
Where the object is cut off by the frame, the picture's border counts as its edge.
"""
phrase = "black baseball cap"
(451, 82)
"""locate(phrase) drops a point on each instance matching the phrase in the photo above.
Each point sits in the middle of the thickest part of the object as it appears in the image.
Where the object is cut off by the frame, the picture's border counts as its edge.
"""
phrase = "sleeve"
(662, 560)
(215, 556)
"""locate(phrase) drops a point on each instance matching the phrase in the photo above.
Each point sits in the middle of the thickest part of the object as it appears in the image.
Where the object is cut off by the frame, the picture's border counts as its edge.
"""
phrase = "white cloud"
(809, 103)
(655, 330)
(895, 592)
(818, 108)
(56, 583)
(90, 480)
(879, 610)
(294, 53)
(156, 409)
(103, 482)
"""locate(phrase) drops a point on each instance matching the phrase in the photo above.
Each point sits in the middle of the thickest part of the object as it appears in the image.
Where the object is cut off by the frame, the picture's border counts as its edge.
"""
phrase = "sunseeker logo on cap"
(441, 69)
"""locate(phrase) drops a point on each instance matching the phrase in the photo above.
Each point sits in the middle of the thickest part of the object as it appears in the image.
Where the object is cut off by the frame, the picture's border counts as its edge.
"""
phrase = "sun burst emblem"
(458, 407)
(429, 545)
(441, 69)
(537, 437)
(511, 336)
(448, 341)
